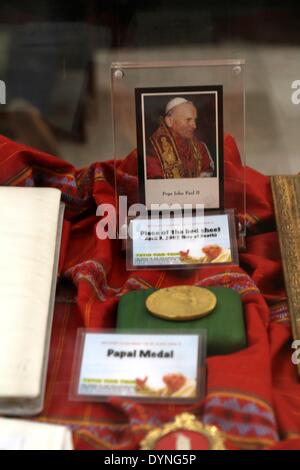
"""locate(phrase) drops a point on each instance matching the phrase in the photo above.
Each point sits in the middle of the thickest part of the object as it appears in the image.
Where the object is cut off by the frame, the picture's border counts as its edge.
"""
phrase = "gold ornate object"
(286, 196)
(185, 433)
(180, 303)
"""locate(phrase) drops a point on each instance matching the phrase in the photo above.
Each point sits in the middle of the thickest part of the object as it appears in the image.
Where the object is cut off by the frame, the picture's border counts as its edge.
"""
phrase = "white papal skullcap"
(175, 102)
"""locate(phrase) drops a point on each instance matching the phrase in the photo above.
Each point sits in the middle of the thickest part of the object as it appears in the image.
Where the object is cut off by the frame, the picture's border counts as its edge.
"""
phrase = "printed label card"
(182, 242)
(167, 367)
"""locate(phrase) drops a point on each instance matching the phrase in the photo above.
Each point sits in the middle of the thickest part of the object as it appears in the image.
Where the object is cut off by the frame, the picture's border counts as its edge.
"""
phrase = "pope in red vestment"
(173, 150)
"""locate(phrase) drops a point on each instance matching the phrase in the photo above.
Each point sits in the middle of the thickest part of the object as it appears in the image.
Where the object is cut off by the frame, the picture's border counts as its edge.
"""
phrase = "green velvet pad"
(225, 324)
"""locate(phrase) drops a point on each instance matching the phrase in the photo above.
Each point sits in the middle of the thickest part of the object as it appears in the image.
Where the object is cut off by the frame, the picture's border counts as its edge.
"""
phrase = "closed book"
(31, 222)
(286, 198)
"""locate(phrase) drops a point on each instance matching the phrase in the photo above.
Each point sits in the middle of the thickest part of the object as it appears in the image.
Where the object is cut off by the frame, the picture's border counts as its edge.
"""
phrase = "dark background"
(49, 45)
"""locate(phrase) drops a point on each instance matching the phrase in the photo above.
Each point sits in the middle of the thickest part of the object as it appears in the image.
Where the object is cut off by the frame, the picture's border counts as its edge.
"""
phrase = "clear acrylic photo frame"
(126, 77)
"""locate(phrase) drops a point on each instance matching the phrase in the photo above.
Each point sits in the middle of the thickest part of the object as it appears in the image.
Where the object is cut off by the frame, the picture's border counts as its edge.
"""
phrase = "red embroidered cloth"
(252, 395)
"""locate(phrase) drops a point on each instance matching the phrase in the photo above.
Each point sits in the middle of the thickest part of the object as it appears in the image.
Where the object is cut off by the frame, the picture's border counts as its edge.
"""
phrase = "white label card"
(11, 442)
(181, 242)
(139, 365)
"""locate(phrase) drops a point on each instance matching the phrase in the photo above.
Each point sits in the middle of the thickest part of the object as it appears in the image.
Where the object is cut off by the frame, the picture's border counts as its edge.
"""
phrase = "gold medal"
(180, 303)
(185, 433)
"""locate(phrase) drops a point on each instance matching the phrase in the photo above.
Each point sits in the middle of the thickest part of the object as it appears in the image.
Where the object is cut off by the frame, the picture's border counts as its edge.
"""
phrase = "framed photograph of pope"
(180, 145)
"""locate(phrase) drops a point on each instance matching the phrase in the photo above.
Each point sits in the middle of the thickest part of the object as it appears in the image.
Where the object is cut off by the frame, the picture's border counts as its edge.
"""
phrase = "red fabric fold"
(253, 395)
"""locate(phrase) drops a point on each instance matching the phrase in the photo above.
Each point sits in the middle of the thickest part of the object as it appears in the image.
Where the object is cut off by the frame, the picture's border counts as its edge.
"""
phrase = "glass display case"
(55, 61)
(89, 100)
